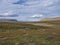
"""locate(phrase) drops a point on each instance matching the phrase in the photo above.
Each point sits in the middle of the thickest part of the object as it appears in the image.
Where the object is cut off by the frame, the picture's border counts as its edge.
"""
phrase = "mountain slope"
(51, 19)
(8, 20)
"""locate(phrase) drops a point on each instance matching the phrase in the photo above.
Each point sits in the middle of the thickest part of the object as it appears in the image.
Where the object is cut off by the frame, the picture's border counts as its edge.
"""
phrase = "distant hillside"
(8, 20)
(48, 22)
(51, 19)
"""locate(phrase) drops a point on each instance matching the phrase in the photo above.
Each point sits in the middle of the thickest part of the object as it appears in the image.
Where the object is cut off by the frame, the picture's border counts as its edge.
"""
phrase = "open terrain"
(30, 33)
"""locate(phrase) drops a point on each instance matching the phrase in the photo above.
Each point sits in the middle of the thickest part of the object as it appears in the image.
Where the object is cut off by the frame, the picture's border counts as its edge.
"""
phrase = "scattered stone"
(31, 43)
(17, 43)
(23, 44)
(50, 37)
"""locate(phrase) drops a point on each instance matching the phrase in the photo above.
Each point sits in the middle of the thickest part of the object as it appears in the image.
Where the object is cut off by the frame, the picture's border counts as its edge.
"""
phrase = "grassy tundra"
(30, 33)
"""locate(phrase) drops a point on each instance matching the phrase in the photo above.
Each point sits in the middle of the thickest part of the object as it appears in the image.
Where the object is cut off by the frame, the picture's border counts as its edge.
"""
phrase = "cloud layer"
(30, 10)
(8, 14)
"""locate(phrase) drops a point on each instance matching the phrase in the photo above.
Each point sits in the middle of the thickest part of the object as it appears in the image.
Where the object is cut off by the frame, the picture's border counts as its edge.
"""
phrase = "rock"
(50, 37)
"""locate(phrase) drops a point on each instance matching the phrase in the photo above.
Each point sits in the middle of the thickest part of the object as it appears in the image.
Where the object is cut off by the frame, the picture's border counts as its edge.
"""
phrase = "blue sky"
(29, 10)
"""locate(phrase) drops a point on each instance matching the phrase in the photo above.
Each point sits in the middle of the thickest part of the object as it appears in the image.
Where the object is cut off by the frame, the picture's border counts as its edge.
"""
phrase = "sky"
(29, 10)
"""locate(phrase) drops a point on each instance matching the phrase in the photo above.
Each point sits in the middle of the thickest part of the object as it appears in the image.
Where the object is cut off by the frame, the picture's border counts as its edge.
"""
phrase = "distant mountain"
(13, 15)
(51, 19)
(8, 20)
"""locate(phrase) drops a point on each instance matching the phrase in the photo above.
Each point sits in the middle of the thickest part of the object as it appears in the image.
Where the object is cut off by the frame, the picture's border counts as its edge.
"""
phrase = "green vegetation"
(16, 33)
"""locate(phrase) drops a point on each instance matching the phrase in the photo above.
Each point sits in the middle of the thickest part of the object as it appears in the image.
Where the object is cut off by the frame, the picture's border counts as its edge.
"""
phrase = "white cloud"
(9, 13)
(48, 2)
(37, 16)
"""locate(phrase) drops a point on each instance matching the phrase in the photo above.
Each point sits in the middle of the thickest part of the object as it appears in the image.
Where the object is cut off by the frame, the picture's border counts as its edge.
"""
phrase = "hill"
(30, 33)
(51, 19)
(8, 20)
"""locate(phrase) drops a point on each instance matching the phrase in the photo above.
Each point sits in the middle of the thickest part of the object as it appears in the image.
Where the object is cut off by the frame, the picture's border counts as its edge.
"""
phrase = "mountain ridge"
(8, 20)
(51, 19)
